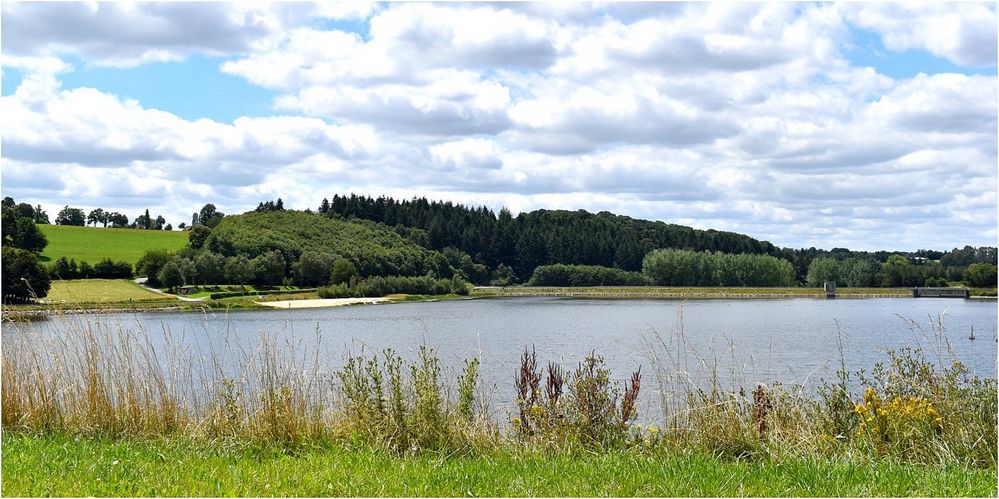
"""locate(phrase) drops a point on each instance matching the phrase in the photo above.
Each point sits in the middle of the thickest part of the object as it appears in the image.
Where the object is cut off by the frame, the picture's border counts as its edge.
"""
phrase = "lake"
(743, 342)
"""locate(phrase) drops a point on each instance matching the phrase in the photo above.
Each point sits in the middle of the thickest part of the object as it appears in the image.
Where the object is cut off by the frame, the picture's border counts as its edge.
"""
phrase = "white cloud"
(128, 34)
(743, 117)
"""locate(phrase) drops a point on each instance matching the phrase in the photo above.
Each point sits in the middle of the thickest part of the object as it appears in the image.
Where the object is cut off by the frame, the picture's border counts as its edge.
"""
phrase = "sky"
(859, 125)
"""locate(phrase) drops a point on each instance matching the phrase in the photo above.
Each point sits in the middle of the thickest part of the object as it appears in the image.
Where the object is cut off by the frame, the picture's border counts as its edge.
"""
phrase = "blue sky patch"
(358, 26)
(191, 89)
(11, 79)
(869, 51)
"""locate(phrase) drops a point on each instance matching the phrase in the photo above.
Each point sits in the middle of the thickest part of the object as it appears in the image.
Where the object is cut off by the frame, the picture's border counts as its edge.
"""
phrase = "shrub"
(24, 279)
(584, 275)
(106, 269)
(381, 286)
(380, 405)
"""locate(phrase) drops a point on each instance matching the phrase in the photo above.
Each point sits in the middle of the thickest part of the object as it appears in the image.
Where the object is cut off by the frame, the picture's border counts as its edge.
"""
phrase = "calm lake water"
(743, 341)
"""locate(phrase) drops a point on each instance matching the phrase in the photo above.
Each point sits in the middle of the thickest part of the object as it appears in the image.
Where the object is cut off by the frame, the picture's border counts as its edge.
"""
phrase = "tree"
(159, 222)
(151, 263)
(895, 271)
(167, 227)
(209, 267)
(342, 271)
(822, 270)
(238, 270)
(187, 269)
(268, 268)
(209, 216)
(313, 268)
(27, 236)
(324, 207)
(170, 276)
(24, 210)
(71, 216)
(182, 226)
(9, 225)
(24, 278)
(40, 216)
(140, 222)
(980, 275)
(97, 216)
(198, 235)
(117, 220)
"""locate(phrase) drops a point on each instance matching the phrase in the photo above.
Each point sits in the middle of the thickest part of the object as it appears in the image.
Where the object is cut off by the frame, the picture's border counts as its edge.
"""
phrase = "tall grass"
(106, 380)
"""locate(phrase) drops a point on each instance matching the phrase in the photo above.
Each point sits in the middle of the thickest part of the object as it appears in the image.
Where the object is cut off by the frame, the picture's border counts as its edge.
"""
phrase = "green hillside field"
(93, 244)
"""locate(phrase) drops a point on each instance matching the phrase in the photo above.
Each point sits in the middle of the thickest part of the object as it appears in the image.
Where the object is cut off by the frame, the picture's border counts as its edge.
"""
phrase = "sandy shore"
(330, 302)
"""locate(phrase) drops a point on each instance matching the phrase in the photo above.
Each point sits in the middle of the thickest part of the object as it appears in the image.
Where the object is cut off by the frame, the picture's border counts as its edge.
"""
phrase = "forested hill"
(375, 249)
(539, 237)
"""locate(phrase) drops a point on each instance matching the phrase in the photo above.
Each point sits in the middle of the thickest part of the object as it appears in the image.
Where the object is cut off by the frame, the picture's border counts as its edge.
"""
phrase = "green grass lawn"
(99, 290)
(56, 465)
(93, 244)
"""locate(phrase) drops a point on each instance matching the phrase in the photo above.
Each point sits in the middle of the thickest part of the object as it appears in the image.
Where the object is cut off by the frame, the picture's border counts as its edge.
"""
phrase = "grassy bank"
(60, 465)
(687, 292)
(92, 244)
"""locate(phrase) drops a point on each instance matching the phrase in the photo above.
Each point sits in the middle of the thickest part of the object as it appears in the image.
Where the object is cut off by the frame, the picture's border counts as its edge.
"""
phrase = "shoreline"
(684, 293)
(601, 293)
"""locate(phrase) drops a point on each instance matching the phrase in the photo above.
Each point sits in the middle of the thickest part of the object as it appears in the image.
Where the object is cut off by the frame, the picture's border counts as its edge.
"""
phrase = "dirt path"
(141, 281)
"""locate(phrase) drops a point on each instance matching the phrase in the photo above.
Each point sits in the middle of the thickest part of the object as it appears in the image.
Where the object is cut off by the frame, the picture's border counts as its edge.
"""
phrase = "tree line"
(897, 271)
(518, 245)
(531, 239)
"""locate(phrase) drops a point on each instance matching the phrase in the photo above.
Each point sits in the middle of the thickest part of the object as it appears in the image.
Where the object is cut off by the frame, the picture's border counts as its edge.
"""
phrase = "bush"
(24, 279)
(381, 286)
(380, 405)
(585, 275)
(106, 269)
(64, 269)
(583, 407)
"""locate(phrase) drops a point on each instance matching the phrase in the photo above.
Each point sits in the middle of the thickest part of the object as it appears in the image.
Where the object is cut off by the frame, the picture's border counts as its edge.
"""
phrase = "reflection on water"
(744, 341)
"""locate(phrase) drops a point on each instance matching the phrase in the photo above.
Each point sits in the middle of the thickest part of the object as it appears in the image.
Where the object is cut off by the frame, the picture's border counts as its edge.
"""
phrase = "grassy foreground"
(58, 465)
(92, 244)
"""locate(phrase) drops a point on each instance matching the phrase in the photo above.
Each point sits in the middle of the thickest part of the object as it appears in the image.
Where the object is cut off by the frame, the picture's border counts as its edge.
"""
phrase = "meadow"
(100, 291)
(92, 244)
